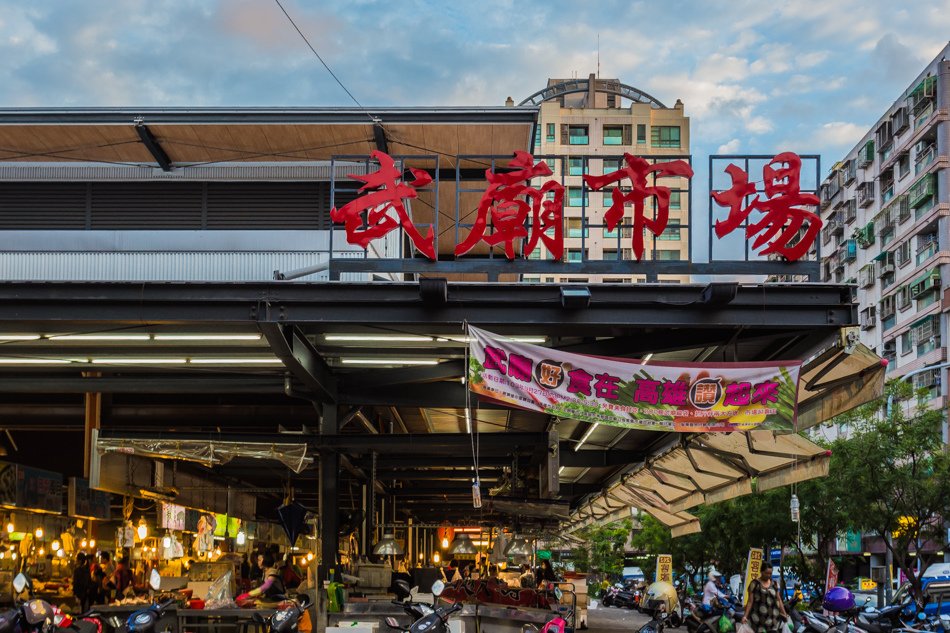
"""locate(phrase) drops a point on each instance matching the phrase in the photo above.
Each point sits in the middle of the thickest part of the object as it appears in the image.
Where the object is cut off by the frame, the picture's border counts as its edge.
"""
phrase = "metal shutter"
(146, 205)
(41, 205)
(266, 205)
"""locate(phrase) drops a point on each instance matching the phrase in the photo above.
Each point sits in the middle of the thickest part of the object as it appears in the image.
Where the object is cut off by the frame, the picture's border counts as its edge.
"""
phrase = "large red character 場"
(386, 191)
(506, 203)
(783, 209)
(637, 170)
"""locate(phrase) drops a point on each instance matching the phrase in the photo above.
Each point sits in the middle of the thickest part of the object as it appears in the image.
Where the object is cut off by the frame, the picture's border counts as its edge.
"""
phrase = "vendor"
(273, 586)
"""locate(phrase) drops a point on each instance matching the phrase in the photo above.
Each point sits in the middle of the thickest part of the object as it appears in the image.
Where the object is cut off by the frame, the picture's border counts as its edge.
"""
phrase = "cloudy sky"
(756, 77)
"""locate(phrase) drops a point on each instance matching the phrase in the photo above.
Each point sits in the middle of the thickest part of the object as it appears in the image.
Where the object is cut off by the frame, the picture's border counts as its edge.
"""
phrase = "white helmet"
(714, 574)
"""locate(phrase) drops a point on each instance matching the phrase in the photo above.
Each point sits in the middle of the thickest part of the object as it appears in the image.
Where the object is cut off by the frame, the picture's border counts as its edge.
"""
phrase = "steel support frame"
(301, 358)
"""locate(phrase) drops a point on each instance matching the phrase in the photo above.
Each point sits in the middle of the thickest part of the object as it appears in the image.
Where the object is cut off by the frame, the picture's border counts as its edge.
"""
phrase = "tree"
(689, 552)
(893, 474)
(603, 548)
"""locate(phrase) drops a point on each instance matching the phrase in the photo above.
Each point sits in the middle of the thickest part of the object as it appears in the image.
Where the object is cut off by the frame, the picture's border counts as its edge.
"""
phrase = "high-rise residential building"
(585, 126)
(886, 212)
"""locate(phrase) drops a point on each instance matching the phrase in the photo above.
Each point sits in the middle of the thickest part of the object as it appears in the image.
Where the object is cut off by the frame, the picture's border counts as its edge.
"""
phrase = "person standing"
(764, 610)
(121, 577)
(527, 577)
(82, 582)
(546, 574)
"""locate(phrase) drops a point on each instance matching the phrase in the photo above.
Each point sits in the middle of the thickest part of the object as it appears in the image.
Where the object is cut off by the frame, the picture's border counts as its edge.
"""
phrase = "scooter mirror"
(438, 587)
(155, 580)
(392, 623)
(303, 600)
(558, 593)
(20, 583)
(258, 618)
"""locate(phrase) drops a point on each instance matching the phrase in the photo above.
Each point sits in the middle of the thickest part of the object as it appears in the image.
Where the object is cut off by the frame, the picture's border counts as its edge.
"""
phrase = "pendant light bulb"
(241, 538)
(142, 529)
(436, 558)
(309, 556)
(55, 546)
(10, 527)
(167, 540)
(92, 543)
(445, 543)
(38, 533)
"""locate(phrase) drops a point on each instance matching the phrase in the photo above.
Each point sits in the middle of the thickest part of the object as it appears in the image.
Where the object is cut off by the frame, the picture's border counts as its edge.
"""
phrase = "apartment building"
(886, 210)
(586, 128)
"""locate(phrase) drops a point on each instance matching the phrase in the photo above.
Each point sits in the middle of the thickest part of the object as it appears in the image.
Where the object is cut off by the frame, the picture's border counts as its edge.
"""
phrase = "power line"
(332, 74)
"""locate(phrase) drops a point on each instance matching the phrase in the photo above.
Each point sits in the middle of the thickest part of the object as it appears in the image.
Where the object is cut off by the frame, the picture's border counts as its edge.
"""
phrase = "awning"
(706, 468)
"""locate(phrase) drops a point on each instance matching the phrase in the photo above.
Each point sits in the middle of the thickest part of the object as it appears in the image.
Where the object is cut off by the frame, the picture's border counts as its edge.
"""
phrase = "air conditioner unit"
(920, 146)
(886, 269)
(890, 347)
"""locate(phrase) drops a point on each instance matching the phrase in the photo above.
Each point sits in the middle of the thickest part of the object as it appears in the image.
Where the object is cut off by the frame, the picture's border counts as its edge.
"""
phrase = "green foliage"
(603, 548)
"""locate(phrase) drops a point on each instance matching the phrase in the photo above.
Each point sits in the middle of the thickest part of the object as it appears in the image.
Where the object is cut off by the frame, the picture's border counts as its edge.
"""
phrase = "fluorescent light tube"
(388, 361)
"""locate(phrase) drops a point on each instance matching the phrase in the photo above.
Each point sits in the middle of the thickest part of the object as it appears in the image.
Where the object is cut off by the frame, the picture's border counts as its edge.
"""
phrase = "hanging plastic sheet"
(207, 452)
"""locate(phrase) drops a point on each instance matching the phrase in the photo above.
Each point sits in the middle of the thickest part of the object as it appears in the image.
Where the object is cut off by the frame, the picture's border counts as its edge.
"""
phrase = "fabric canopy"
(705, 468)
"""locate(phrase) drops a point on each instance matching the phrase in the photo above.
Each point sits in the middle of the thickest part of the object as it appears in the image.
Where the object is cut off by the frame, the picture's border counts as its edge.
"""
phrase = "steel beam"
(190, 384)
(153, 146)
(404, 375)
(595, 458)
(301, 359)
(329, 510)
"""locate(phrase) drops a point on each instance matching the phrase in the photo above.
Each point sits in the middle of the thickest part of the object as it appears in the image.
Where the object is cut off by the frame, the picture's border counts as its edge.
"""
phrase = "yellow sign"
(868, 585)
(664, 568)
(752, 570)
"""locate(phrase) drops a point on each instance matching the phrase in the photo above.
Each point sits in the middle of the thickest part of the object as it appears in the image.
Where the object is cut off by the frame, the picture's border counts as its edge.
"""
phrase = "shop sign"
(172, 516)
(31, 488)
(222, 522)
(753, 568)
(664, 568)
(543, 554)
(831, 576)
(83, 501)
(868, 585)
(517, 210)
(662, 396)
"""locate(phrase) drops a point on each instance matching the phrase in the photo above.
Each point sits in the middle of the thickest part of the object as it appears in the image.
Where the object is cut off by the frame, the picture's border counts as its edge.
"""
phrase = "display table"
(472, 618)
(189, 620)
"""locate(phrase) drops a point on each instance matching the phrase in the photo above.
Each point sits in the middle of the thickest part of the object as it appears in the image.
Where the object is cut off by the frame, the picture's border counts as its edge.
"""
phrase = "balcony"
(835, 224)
(849, 250)
(921, 191)
(866, 154)
(926, 283)
(900, 120)
(851, 210)
(866, 194)
(925, 156)
(923, 95)
(865, 235)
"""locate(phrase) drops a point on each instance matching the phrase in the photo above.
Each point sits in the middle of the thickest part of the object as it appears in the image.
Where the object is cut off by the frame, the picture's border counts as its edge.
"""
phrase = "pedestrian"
(546, 574)
(764, 611)
(527, 577)
(257, 569)
(82, 582)
(121, 577)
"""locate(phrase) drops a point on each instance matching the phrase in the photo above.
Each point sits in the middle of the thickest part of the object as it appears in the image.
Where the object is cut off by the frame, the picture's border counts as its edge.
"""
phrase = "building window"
(665, 135)
(611, 165)
(641, 133)
(613, 135)
(576, 197)
(666, 255)
(573, 255)
(577, 167)
(550, 135)
(611, 254)
(577, 135)
(575, 228)
(675, 200)
(671, 233)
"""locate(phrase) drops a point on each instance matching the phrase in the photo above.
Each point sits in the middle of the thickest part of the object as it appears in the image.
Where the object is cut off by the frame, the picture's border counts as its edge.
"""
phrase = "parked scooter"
(701, 620)
(403, 599)
(610, 594)
(286, 620)
(661, 602)
(435, 622)
(146, 620)
(32, 615)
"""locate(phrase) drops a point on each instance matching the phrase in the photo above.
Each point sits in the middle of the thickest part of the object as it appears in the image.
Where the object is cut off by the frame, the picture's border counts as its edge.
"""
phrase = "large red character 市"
(387, 191)
(637, 170)
(783, 209)
(507, 202)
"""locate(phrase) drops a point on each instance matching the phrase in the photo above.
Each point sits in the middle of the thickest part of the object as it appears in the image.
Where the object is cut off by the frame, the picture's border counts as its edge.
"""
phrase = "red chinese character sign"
(368, 218)
(509, 200)
(784, 208)
(637, 171)
(681, 397)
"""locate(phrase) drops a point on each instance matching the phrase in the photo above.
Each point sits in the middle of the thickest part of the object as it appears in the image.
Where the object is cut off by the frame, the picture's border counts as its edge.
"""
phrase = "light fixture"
(309, 556)
(389, 361)
(60, 552)
(84, 544)
(516, 339)
(940, 552)
(463, 545)
(867, 554)
(39, 532)
(912, 554)
(138, 361)
(436, 558)
(92, 543)
(445, 543)
(217, 551)
(167, 540)
(575, 297)
(586, 436)
(10, 527)
(55, 546)
(33, 361)
(142, 529)
(377, 338)
(13, 556)
(99, 337)
(388, 546)
(42, 552)
(207, 337)
(468, 421)
(260, 360)
(241, 537)
(20, 337)
(795, 508)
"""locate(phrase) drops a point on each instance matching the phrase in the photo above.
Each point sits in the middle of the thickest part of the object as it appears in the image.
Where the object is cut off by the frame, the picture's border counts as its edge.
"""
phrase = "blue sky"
(756, 77)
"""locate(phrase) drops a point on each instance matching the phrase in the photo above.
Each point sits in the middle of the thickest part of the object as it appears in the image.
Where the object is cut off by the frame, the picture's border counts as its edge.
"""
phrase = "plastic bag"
(219, 593)
(726, 625)
(745, 628)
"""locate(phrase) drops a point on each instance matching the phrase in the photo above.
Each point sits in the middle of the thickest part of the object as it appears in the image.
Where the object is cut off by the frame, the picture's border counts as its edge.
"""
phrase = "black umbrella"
(292, 517)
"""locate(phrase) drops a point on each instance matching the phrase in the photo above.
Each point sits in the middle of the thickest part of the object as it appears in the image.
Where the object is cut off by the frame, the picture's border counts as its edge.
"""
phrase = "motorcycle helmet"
(838, 599)
(662, 595)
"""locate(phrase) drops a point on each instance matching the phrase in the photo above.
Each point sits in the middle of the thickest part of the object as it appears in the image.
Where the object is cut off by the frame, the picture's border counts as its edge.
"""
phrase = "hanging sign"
(173, 516)
(664, 568)
(753, 568)
(661, 396)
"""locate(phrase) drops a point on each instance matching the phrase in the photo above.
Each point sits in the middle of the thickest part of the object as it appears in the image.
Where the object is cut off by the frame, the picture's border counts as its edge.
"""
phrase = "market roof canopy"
(706, 469)
(214, 135)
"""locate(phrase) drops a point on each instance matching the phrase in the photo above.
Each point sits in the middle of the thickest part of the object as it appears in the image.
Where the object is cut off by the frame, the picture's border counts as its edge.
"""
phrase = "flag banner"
(664, 568)
(753, 568)
(659, 396)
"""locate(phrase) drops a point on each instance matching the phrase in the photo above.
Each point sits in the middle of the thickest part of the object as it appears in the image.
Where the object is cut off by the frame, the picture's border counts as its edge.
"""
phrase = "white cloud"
(729, 148)
(840, 133)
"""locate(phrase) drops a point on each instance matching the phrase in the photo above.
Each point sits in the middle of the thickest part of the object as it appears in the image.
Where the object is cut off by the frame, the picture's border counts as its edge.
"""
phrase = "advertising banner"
(831, 576)
(664, 568)
(753, 568)
(172, 517)
(660, 396)
(83, 501)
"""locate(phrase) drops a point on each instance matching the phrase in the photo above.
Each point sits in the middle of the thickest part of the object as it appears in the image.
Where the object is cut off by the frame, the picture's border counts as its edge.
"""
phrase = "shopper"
(257, 568)
(764, 611)
(273, 584)
(122, 577)
(82, 583)
(527, 577)
(546, 574)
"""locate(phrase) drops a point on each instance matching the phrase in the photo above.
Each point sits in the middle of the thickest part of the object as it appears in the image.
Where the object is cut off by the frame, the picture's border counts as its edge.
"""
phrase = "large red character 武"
(507, 202)
(783, 208)
(386, 191)
(637, 170)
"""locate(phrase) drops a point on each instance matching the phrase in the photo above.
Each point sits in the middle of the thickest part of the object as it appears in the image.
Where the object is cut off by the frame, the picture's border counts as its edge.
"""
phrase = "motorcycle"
(435, 622)
(286, 620)
(415, 610)
(610, 593)
(38, 616)
(146, 620)
(701, 620)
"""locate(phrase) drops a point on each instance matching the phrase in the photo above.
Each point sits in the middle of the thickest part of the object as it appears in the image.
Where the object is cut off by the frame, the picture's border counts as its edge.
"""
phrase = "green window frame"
(577, 197)
(671, 233)
(641, 133)
(578, 135)
(550, 132)
(613, 135)
(675, 200)
(577, 167)
(665, 136)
